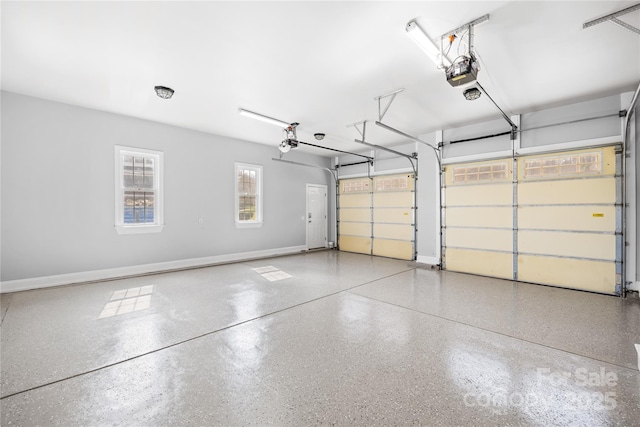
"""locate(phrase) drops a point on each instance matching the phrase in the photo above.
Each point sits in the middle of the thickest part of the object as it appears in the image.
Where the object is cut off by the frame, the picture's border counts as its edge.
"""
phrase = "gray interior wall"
(634, 149)
(428, 205)
(577, 131)
(352, 169)
(58, 192)
(487, 145)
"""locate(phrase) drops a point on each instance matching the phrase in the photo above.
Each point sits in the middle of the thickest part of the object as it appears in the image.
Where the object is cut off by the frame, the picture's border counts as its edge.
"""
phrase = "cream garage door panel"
(566, 214)
(355, 229)
(361, 245)
(355, 200)
(579, 245)
(393, 231)
(574, 191)
(395, 216)
(479, 195)
(355, 214)
(384, 202)
(393, 200)
(476, 238)
(499, 217)
(393, 249)
(494, 264)
(574, 218)
(596, 276)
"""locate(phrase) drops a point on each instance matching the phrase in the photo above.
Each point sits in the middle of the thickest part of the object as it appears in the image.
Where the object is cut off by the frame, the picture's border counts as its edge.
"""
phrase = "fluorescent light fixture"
(420, 37)
(263, 118)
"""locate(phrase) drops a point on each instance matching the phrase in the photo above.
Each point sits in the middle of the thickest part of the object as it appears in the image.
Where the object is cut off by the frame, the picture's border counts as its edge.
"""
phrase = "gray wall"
(580, 130)
(428, 188)
(498, 143)
(58, 192)
(635, 149)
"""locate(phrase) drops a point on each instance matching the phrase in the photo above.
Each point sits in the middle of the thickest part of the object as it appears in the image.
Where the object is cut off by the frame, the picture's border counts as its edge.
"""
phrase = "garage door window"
(480, 173)
(566, 165)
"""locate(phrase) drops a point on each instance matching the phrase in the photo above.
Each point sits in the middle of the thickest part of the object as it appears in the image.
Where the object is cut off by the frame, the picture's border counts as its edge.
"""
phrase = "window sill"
(248, 224)
(138, 229)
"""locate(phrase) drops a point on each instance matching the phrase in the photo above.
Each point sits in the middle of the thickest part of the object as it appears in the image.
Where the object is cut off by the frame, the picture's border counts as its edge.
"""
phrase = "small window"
(565, 165)
(248, 195)
(139, 206)
(356, 185)
(480, 173)
(392, 183)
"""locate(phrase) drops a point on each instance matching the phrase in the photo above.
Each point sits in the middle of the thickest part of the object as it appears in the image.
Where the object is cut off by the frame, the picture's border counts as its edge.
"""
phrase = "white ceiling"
(318, 63)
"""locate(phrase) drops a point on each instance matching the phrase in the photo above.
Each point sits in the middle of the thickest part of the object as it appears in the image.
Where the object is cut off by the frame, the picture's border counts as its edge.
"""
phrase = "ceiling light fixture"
(420, 37)
(284, 146)
(472, 93)
(263, 118)
(318, 136)
(164, 92)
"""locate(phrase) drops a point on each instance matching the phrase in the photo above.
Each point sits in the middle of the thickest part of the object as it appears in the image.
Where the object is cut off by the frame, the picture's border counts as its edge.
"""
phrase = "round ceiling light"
(284, 146)
(319, 136)
(164, 92)
(472, 93)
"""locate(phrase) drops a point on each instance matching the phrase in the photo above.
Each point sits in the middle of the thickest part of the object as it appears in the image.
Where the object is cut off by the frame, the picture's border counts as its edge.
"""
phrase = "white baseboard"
(431, 260)
(136, 270)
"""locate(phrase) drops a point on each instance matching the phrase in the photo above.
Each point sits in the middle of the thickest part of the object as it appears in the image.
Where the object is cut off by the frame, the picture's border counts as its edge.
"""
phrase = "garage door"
(377, 216)
(478, 218)
(557, 223)
(568, 219)
(354, 215)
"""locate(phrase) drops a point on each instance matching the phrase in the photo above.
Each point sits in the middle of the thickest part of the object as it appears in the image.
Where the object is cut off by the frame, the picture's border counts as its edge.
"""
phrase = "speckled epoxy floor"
(347, 339)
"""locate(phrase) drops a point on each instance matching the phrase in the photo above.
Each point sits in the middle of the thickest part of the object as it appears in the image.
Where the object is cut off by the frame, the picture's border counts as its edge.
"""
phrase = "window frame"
(158, 171)
(259, 197)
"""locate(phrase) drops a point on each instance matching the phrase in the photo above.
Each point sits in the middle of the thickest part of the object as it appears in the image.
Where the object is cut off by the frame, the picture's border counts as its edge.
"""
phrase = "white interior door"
(316, 216)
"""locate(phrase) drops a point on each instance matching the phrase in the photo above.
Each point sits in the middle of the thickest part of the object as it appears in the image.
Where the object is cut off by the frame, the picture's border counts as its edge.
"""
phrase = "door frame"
(326, 213)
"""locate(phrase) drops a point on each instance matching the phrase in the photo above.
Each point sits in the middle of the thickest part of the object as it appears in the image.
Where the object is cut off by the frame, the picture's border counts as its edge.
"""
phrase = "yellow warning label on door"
(598, 215)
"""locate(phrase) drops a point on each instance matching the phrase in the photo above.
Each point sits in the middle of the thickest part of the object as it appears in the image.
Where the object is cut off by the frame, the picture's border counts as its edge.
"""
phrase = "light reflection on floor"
(272, 273)
(127, 301)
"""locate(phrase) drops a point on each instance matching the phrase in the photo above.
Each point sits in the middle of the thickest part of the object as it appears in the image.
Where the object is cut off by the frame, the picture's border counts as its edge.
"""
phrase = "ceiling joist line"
(613, 18)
